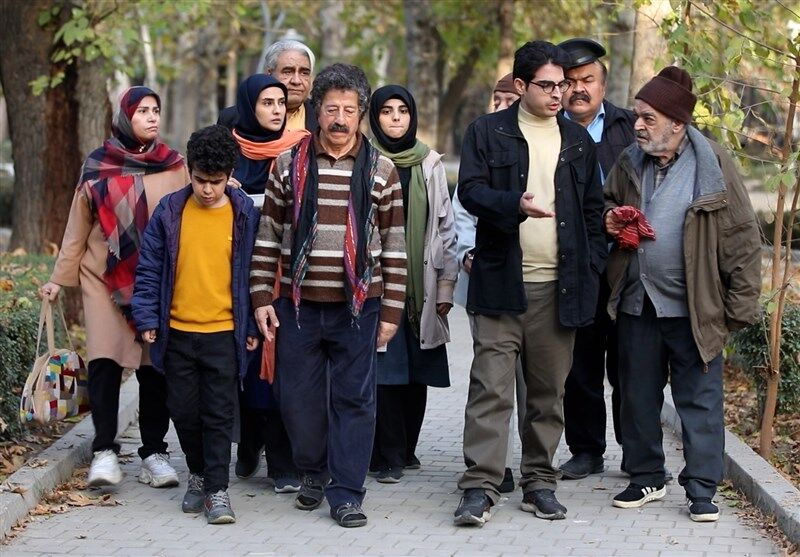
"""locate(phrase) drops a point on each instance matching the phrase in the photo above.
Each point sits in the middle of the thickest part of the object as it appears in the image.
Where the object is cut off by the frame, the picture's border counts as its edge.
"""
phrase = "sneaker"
(474, 508)
(194, 498)
(581, 465)
(543, 503)
(287, 483)
(311, 494)
(218, 509)
(507, 485)
(390, 475)
(247, 462)
(157, 472)
(413, 463)
(702, 509)
(349, 515)
(636, 495)
(105, 469)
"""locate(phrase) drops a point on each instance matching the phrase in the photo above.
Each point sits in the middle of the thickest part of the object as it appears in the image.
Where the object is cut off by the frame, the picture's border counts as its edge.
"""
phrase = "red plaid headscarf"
(112, 180)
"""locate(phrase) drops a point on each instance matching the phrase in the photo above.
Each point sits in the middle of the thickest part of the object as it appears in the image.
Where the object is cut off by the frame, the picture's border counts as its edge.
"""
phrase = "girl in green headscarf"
(416, 357)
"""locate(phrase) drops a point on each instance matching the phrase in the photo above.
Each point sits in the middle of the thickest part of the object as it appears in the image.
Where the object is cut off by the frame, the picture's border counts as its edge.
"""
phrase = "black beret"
(582, 51)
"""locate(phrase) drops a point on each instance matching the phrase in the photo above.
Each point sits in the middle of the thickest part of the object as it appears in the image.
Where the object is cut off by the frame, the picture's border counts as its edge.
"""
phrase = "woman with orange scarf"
(261, 134)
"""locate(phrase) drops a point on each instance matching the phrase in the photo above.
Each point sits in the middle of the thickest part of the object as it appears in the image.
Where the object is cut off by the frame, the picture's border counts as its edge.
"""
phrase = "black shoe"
(581, 465)
(194, 497)
(543, 503)
(413, 463)
(702, 509)
(312, 492)
(507, 485)
(636, 495)
(390, 475)
(247, 461)
(474, 508)
(349, 515)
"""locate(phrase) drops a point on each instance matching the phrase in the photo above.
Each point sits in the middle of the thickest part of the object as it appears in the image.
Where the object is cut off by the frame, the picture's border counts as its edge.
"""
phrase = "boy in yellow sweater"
(191, 304)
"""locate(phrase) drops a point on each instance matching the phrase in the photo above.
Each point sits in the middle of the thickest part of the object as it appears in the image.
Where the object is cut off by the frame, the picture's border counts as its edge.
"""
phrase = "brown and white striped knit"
(324, 281)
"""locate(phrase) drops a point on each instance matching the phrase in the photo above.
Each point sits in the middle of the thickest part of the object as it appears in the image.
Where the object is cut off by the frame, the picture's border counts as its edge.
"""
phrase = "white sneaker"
(105, 469)
(157, 472)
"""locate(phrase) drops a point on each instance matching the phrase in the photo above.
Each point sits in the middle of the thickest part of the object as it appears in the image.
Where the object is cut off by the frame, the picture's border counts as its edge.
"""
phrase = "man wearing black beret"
(595, 351)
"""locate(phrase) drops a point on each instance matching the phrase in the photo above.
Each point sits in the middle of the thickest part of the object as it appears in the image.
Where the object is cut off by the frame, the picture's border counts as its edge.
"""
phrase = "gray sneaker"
(193, 499)
(218, 508)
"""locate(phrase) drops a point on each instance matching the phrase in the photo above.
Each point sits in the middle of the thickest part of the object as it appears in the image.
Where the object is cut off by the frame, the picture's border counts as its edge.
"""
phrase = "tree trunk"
(423, 49)
(452, 98)
(231, 77)
(780, 281)
(648, 44)
(505, 21)
(185, 99)
(334, 34)
(620, 60)
(18, 67)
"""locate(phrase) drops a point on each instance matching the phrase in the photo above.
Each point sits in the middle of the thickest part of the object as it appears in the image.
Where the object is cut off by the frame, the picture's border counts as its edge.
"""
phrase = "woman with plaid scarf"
(121, 184)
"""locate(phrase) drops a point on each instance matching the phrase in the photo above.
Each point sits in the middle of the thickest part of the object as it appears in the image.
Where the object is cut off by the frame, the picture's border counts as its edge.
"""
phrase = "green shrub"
(750, 351)
(20, 278)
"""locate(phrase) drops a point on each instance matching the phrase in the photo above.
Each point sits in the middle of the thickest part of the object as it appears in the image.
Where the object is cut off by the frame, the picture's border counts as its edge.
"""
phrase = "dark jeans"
(652, 349)
(105, 378)
(202, 384)
(262, 428)
(401, 411)
(326, 390)
(595, 354)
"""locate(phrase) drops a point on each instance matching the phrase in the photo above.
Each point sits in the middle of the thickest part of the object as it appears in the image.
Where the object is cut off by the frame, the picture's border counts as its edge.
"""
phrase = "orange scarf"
(270, 149)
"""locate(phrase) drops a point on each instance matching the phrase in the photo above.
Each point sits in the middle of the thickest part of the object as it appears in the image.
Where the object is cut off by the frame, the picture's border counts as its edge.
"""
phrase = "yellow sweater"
(202, 301)
(296, 119)
(537, 237)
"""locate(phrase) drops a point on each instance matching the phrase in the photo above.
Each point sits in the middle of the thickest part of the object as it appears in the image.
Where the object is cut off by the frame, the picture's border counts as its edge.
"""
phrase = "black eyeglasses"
(548, 86)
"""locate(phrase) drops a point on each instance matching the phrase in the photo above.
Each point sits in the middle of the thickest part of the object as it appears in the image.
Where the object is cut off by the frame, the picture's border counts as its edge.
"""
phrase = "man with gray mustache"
(595, 352)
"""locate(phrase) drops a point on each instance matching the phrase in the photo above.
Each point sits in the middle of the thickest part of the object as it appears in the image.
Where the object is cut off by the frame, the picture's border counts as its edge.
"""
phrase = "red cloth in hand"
(268, 350)
(635, 227)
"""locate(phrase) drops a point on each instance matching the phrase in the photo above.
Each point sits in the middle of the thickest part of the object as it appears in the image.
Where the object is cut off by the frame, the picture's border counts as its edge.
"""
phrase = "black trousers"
(105, 378)
(262, 428)
(651, 350)
(595, 354)
(201, 371)
(400, 413)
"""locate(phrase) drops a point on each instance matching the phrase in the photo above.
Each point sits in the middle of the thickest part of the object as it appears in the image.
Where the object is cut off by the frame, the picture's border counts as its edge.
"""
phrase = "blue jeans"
(326, 387)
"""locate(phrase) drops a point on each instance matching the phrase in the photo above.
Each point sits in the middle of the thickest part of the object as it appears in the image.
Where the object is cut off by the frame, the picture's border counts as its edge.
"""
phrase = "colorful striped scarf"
(358, 228)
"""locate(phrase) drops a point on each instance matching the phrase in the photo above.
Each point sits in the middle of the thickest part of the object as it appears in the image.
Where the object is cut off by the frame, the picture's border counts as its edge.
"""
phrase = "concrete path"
(410, 518)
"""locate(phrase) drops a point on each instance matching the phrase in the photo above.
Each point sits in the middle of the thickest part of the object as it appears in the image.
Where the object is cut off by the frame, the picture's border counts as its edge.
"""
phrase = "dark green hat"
(582, 51)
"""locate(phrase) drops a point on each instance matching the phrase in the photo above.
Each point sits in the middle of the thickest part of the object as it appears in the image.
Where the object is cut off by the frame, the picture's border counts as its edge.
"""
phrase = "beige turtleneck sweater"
(537, 237)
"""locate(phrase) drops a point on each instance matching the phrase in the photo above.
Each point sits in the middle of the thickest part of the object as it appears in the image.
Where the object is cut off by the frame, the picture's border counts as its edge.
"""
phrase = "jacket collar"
(239, 200)
(507, 123)
(711, 188)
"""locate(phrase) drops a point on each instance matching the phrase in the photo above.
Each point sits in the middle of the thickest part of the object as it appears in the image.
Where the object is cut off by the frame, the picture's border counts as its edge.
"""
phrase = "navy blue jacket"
(491, 180)
(158, 257)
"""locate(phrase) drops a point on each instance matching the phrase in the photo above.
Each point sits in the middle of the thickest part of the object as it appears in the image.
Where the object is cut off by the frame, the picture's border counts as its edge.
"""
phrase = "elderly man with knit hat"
(675, 298)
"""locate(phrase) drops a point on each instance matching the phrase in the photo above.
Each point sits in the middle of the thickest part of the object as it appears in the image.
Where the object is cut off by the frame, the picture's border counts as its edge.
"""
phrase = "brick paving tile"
(413, 517)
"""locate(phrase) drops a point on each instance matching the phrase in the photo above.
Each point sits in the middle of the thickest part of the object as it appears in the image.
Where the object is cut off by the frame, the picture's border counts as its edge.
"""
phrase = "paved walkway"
(413, 517)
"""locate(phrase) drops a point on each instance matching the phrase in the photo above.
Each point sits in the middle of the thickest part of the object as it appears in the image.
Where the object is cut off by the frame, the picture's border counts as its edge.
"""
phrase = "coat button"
(563, 258)
(426, 262)
(580, 149)
(522, 176)
(562, 159)
(562, 224)
(563, 290)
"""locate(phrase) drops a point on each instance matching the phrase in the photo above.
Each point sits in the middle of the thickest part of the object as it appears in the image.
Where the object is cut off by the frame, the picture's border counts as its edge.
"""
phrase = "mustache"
(338, 128)
(579, 96)
(641, 135)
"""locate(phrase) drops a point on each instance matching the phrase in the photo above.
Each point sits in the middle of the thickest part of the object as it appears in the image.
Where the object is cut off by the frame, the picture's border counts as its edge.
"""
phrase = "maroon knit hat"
(670, 92)
(506, 85)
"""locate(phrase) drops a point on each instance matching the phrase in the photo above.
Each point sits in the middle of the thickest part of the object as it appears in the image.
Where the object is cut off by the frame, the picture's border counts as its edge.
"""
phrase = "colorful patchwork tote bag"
(57, 385)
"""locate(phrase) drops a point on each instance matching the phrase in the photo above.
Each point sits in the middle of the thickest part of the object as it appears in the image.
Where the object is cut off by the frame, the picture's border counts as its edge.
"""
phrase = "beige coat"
(82, 262)
(441, 266)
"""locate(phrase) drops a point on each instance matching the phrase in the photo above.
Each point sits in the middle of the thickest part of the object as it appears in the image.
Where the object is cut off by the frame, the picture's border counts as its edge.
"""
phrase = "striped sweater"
(324, 281)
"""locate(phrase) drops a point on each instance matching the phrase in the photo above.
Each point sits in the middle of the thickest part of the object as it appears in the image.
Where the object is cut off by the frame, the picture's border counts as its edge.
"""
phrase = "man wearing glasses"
(532, 179)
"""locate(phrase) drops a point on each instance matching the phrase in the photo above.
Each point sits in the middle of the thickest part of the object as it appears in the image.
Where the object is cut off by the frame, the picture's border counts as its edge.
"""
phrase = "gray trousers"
(546, 350)
(650, 350)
